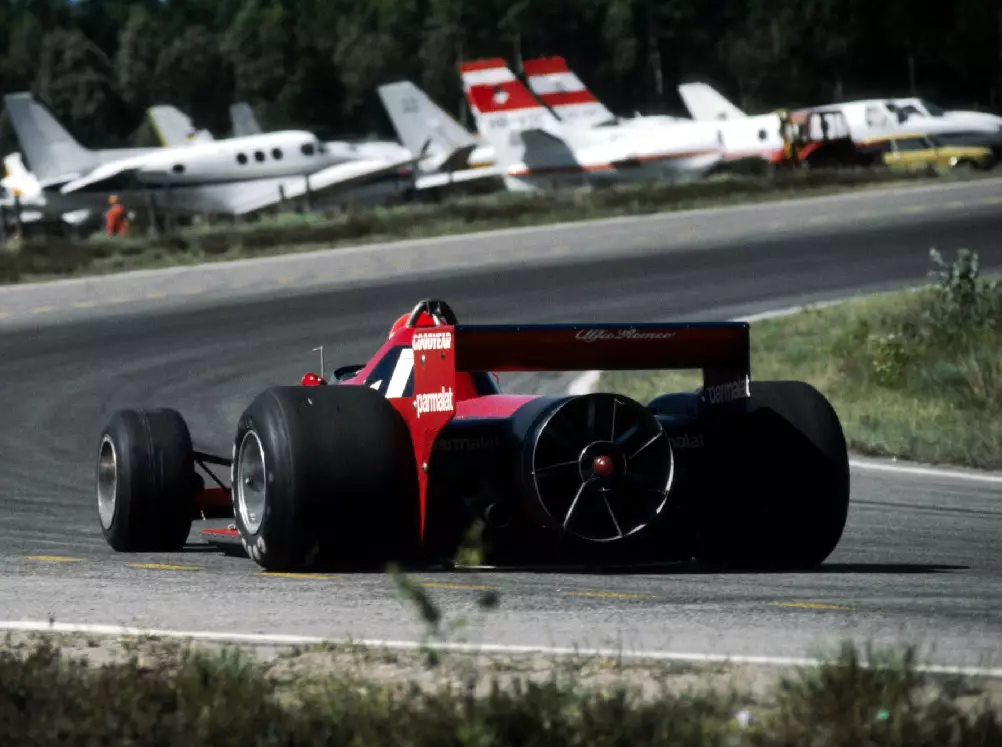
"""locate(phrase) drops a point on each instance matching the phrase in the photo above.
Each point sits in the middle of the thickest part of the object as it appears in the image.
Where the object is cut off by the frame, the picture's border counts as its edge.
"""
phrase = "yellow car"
(926, 152)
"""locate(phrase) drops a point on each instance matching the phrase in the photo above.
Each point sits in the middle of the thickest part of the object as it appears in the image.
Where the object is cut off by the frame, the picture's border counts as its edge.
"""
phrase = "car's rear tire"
(782, 495)
(146, 481)
(324, 476)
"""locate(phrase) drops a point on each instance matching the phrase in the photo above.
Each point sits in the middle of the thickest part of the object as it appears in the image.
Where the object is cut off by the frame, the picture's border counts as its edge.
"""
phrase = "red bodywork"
(447, 356)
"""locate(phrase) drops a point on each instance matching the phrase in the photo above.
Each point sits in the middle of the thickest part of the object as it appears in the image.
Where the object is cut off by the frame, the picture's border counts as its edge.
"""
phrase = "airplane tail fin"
(706, 104)
(502, 100)
(174, 127)
(425, 129)
(243, 120)
(526, 136)
(53, 153)
(564, 92)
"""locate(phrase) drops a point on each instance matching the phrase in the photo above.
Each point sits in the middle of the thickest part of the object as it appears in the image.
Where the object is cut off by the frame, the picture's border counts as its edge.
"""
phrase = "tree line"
(316, 63)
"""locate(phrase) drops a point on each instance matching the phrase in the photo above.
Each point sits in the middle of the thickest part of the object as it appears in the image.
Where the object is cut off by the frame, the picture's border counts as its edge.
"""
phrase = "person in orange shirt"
(115, 221)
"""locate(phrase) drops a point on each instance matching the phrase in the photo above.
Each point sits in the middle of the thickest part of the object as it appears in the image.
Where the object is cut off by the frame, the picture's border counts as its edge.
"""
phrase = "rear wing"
(721, 350)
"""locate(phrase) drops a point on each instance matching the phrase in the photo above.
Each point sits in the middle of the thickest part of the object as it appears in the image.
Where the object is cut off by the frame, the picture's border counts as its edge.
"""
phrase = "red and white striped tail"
(498, 99)
(506, 97)
(564, 92)
(485, 72)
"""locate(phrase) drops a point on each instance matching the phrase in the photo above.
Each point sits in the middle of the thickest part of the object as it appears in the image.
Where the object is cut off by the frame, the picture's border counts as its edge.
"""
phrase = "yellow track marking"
(994, 201)
(914, 209)
(164, 566)
(438, 585)
(814, 606)
(607, 594)
(53, 558)
(43, 309)
(307, 576)
(84, 304)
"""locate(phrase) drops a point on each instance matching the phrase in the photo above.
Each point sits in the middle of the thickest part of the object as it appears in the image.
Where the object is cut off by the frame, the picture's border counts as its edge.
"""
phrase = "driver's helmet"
(424, 320)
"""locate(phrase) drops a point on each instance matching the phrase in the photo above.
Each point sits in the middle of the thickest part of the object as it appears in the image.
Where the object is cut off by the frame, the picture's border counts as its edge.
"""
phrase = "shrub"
(950, 337)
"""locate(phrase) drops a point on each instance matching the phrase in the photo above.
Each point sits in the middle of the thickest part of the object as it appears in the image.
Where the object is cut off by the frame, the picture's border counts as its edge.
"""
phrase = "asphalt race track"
(919, 562)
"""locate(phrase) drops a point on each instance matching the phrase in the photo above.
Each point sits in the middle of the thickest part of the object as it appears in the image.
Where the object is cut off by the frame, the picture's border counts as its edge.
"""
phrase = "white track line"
(275, 639)
(587, 381)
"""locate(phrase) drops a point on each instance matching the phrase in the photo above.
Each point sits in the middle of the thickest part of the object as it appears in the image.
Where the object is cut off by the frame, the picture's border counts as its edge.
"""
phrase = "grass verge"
(913, 374)
(39, 258)
(161, 694)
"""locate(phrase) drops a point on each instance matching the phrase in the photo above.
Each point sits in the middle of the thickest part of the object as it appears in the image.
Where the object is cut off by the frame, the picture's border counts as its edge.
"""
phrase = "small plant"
(949, 338)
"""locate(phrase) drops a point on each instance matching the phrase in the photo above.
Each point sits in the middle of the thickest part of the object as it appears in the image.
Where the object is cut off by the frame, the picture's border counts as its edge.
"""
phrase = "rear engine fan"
(600, 467)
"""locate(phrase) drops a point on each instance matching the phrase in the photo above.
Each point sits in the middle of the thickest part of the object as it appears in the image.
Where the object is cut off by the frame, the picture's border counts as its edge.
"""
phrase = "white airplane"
(231, 177)
(869, 118)
(537, 150)
(245, 123)
(449, 154)
(559, 88)
(175, 129)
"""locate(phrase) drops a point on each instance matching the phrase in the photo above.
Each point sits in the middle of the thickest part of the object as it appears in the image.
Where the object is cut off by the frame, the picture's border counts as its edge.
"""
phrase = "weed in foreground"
(195, 697)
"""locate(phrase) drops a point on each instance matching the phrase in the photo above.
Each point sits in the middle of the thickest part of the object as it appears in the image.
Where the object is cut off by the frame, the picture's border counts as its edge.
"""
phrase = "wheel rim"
(602, 467)
(107, 482)
(252, 485)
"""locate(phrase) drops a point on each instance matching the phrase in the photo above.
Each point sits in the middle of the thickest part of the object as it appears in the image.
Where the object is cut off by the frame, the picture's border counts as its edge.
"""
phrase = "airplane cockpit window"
(904, 112)
(308, 149)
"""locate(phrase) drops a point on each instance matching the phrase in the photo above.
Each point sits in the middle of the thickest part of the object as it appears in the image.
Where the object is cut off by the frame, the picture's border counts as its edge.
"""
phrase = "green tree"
(75, 78)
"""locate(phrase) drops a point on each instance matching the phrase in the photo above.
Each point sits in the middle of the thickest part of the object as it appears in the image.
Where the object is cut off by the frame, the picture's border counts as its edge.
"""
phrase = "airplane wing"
(462, 176)
(112, 176)
(247, 198)
(353, 172)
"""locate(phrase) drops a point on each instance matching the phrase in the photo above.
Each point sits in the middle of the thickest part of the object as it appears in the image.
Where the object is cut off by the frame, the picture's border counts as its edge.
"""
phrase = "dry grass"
(176, 694)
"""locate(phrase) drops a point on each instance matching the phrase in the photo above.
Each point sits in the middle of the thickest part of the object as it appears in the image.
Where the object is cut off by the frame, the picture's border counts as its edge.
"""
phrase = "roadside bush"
(948, 337)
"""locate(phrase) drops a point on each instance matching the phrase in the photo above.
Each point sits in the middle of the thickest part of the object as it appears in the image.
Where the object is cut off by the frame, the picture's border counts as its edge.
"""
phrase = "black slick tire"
(324, 476)
(782, 492)
(146, 481)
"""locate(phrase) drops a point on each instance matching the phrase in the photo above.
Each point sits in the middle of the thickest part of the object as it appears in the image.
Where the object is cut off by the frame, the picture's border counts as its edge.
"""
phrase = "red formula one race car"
(397, 459)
